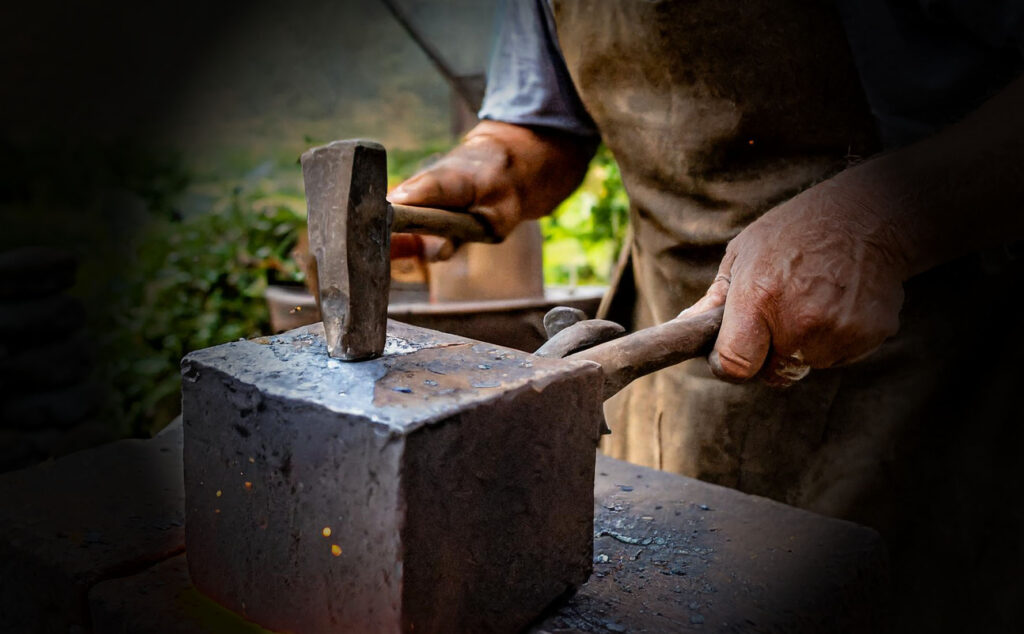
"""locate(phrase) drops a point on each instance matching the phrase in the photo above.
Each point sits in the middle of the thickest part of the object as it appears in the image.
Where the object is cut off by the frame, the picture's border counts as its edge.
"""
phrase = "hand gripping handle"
(627, 358)
(456, 226)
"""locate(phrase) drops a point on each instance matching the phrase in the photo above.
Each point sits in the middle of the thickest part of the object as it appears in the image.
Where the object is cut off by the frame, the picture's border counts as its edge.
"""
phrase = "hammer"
(350, 226)
(446, 486)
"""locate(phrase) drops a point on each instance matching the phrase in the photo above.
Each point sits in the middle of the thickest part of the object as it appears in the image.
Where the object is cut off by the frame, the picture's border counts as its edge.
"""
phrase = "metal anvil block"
(446, 486)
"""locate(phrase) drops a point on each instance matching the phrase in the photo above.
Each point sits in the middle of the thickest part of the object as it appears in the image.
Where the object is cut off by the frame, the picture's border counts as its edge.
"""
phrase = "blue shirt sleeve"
(527, 80)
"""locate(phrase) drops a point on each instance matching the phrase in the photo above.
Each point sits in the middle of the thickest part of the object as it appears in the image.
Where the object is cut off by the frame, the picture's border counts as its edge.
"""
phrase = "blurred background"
(150, 189)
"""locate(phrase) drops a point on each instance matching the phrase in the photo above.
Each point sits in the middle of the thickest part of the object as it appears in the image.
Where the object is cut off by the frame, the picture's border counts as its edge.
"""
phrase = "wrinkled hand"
(814, 283)
(501, 172)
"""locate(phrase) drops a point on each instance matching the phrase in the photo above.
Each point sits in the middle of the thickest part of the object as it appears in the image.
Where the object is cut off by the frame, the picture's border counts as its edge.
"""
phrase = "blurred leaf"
(584, 235)
(197, 282)
(194, 279)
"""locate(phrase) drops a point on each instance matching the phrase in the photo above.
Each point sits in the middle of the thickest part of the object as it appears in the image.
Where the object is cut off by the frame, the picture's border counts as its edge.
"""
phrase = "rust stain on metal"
(450, 371)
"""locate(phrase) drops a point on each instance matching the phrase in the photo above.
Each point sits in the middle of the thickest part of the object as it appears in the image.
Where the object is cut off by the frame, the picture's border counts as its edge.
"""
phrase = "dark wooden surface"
(671, 554)
(674, 554)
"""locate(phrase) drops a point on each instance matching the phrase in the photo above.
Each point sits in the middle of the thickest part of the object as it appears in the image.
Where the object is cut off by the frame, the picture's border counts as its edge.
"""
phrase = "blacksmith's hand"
(501, 172)
(814, 283)
(817, 281)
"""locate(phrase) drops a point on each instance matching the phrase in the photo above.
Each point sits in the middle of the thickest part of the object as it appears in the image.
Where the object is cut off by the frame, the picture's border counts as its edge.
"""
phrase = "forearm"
(959, 191)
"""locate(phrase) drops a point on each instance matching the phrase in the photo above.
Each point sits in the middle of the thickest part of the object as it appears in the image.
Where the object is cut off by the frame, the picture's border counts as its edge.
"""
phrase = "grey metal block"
(444, 487)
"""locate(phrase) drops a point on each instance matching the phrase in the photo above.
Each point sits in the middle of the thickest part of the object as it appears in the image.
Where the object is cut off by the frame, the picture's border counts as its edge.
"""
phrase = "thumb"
(744, 339)
(438, 186)
(743, 342)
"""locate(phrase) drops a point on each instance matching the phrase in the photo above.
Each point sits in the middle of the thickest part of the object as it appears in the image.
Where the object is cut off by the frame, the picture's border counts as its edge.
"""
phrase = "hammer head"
(350, 237)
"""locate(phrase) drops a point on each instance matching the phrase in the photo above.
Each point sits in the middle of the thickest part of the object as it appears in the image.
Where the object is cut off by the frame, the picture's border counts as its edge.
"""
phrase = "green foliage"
(584, 235)
(175, 266)
(198, 282)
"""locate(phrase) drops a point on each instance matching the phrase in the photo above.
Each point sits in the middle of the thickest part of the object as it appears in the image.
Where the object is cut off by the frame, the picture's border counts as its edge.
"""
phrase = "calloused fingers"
(743, 341)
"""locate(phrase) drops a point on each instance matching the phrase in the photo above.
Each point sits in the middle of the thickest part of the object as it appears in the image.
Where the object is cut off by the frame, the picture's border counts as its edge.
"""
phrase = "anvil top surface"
(423, 376)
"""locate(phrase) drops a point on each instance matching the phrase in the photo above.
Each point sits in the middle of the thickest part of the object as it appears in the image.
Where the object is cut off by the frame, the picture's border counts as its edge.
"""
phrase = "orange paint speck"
(750, 142)
(335, 550)
(248, 485)
(216, 510)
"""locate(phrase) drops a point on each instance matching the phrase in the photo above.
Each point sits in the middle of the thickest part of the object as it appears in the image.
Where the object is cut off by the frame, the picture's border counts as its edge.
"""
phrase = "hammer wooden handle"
(627, 358)
(460, 227)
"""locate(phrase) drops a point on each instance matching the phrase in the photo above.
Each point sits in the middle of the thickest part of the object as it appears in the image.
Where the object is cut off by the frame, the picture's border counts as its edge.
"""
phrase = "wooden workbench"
(671, 554)
(674, 554)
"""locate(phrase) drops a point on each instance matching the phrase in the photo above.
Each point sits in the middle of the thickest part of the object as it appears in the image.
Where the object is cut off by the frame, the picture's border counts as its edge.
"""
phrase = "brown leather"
(714, 115)
(919, 439)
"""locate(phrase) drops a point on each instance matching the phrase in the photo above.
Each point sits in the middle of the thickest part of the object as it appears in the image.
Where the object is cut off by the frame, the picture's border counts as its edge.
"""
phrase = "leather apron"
(716, 111)
(714, 117)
